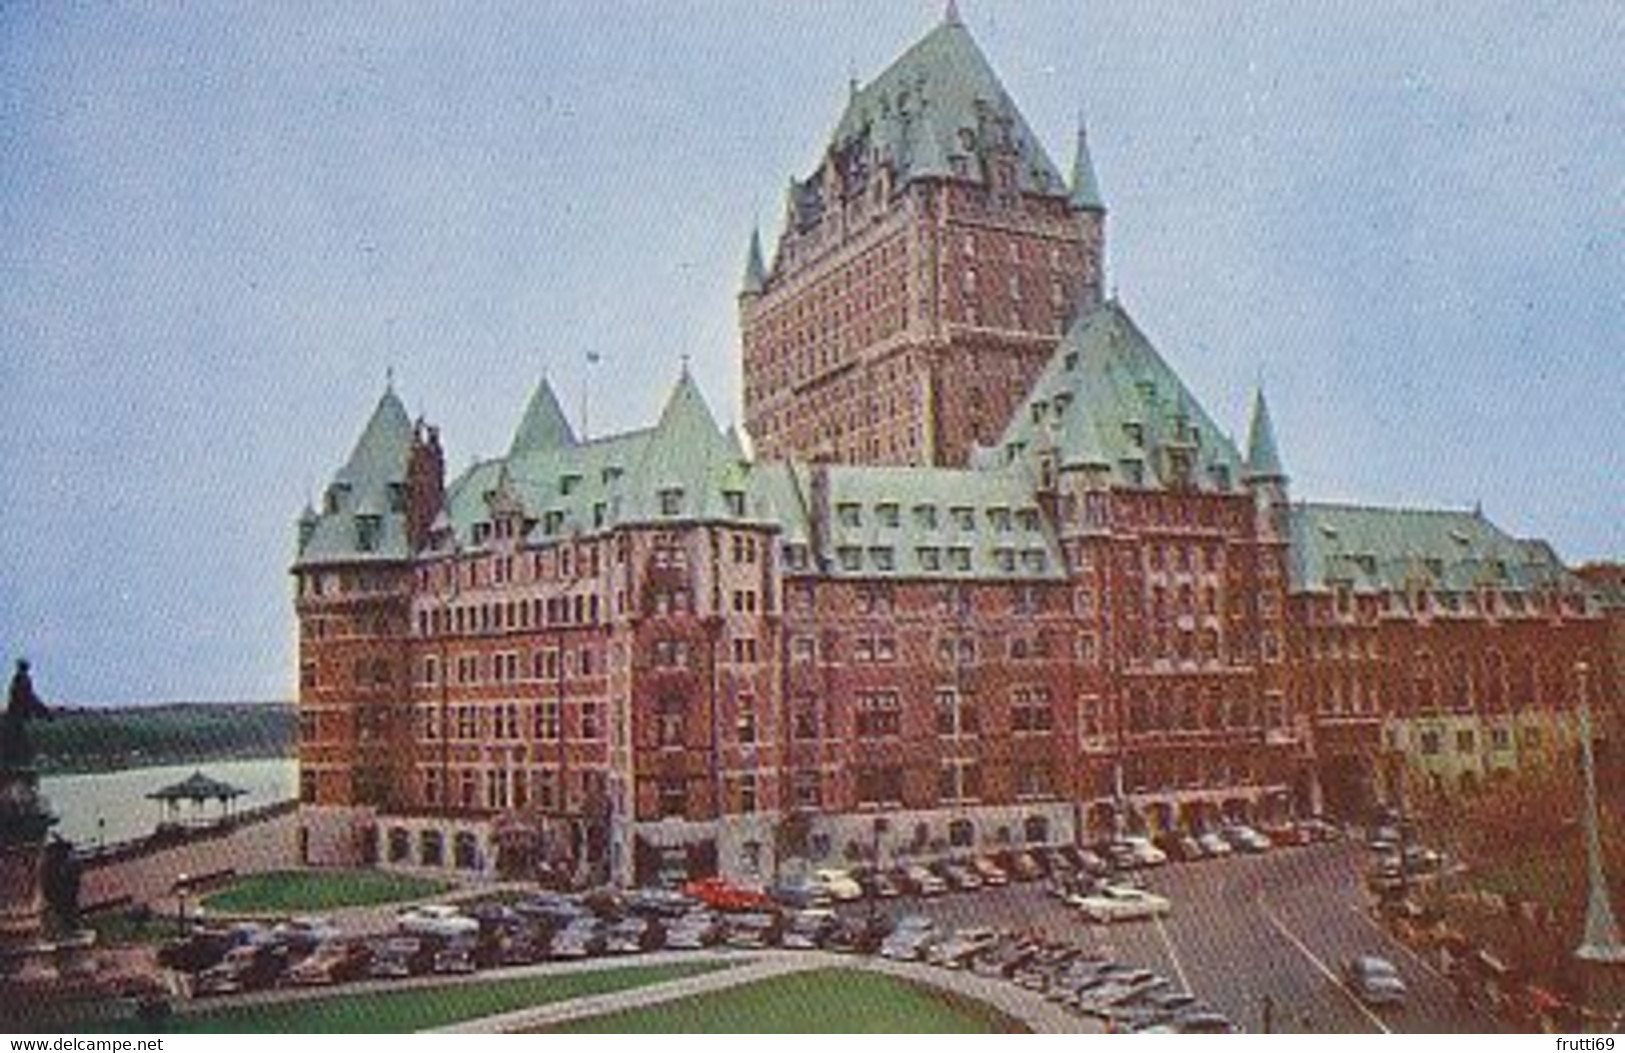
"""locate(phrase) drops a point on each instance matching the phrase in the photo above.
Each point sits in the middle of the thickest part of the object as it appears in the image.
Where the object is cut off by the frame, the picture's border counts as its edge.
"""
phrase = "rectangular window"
(1031, 711)
(879, 715)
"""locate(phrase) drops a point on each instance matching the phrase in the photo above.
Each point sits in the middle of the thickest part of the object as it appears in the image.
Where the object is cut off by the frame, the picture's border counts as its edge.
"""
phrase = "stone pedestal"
(25, 958)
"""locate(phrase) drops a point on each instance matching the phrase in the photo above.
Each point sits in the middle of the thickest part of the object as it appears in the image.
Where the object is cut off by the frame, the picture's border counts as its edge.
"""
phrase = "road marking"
(1173, 955)
(1280, 926)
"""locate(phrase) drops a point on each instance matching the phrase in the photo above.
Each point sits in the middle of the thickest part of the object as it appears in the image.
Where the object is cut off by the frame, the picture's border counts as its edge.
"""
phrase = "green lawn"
(419, 1008)
(296, 891)
(824, 1001)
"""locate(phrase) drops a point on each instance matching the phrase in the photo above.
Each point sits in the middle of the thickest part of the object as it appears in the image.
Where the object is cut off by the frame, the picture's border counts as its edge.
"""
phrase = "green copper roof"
(1263, 458)
(1107, 399)
(544, 425)
(755, 269)
(1389, 549)
(1085, 195)
(361, 518)
(941, 100)
(936, 522)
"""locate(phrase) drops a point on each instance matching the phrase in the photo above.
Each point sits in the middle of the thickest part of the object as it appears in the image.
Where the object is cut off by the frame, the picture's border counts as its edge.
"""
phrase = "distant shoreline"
(87, 740)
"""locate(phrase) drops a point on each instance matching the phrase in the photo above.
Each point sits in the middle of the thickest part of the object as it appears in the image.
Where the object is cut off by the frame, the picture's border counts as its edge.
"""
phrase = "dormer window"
(1134, 472)
(930, 559)
(336, 496)
(735, 501)
(553, 522)
(1135, 433)
(850, 557)
(883, 559)
(568, 483)
(959, 560)
(925, 517)
(671, 501)
(999, 518)
(849, 515)
(887, 515)
(397, 497)
(1221, 477)
(964, 519)
(610, 475)
(366, 533)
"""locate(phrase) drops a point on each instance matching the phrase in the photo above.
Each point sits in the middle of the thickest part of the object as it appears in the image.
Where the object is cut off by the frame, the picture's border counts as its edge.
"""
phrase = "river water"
(113, 806)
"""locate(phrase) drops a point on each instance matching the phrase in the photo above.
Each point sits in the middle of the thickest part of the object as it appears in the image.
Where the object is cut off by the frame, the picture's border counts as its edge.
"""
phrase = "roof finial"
(683, 358)
(951, 15)
(389, 378)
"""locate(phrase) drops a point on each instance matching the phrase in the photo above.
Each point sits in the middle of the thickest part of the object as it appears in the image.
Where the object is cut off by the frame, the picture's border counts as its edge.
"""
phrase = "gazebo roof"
(197, 787)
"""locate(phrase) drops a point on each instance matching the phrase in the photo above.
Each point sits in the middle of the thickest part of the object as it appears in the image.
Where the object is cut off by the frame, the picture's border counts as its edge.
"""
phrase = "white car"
(1121, 903)
(1146, 854)
(838, 884)
(436, 919)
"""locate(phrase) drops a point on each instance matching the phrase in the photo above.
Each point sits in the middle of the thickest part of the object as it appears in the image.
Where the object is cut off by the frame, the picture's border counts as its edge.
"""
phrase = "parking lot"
(1253, 935)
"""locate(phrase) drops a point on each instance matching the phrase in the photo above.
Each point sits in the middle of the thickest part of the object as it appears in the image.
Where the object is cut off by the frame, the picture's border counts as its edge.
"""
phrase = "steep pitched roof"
(938, 100)
(544, 425)
(1085, 196)
(755, 270)
(1263, 457)
(1388, 549)
(362, 518)
(1108, 399)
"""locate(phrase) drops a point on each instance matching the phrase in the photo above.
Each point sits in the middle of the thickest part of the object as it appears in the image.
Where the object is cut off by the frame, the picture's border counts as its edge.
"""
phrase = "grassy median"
(823, 1001)
(416, 1008)
(303, 891)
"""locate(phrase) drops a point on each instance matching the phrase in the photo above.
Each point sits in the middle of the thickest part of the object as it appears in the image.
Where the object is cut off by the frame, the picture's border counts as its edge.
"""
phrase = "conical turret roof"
(755, 270)
(544, 426)
(1263, 458)
(1085, 196)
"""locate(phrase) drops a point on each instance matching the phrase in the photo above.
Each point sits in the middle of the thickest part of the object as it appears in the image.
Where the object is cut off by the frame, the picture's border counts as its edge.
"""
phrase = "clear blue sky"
(221, 222)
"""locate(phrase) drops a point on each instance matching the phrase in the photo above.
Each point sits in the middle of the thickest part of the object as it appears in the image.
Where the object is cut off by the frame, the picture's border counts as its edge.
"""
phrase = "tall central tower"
(925, 271)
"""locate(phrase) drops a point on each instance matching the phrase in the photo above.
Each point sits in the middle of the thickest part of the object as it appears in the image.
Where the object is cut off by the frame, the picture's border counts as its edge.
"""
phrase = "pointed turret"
(379, 455)
(544, 425)
(755, 270)
(1263, 458)
(1085, 195)
(950, 14)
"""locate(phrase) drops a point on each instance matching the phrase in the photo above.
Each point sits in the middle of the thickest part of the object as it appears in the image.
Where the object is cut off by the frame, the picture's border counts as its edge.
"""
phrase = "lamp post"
(182, 883)
(1600, 953)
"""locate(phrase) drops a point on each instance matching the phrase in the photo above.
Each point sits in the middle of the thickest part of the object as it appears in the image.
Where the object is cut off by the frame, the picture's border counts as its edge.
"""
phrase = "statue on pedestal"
(24, 823)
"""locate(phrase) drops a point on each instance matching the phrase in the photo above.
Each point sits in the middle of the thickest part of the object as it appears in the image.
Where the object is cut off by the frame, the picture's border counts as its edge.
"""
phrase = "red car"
(718, 894)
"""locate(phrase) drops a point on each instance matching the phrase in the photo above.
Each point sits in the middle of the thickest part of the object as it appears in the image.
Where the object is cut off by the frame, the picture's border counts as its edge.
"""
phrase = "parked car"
(799, 893)
(992, 875)
(858, 935)
(1021, 866)
(204, 947)
(1197, 1020)
(754, 931)
(436, 919)
(553, 909)
(808, 930)
(959, 877)
(335, 961)
(303, 935)
(1181, 847)
(838, 884)
(659, 902)
(918, 881)
(633, 935)
(1121, 903)
(1285, 833)
(397, 957)
(1321, 829)
(1245, 839)
(910, 939)
(582, 938)
(1135, 852)
(694, 931)
(246, 968)
(1214, 845)
(456, 956)
(957, 950)
(719, 894)
(1374, 981)
(878, 883)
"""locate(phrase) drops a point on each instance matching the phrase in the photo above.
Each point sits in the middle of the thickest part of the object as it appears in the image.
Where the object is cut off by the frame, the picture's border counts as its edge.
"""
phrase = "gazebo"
(199, 789)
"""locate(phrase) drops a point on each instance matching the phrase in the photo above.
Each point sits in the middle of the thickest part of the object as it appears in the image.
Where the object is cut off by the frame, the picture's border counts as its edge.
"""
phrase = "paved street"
(1277, 926)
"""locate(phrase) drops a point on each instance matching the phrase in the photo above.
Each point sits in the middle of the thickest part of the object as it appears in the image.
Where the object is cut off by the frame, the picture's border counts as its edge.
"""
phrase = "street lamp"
(1600, 943)
(182, 883)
